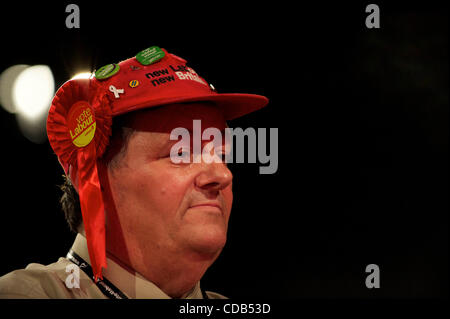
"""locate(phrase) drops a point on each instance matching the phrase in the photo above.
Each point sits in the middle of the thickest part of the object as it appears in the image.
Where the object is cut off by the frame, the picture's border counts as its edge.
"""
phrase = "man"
(151, 226)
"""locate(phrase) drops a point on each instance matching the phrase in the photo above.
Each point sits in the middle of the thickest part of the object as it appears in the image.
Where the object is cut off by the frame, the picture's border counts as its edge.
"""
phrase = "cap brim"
(233, 105)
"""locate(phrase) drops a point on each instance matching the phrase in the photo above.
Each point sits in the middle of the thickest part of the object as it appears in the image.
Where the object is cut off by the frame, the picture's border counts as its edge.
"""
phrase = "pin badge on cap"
(150, 55)
(116, 91)
(133, 83)
(107, 71)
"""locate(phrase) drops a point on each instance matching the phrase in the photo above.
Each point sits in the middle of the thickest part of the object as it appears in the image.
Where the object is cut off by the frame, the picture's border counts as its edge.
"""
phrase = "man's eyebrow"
(169, 142)
(191, 132)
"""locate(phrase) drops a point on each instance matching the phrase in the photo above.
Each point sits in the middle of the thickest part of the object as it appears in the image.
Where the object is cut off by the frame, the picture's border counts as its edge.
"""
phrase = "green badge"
(150, 55)
(107, 71)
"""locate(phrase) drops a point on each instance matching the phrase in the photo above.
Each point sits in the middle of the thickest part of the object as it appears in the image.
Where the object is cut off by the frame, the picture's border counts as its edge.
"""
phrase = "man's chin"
(208, 241)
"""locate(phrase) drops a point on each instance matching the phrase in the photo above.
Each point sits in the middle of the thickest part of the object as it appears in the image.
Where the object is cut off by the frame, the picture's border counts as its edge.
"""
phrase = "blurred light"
(33, 90)
(7, 80)
(82, 75)
(34, 129)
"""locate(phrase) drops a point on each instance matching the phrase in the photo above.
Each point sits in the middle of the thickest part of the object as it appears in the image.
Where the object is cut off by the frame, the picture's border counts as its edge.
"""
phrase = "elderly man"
(148, 226)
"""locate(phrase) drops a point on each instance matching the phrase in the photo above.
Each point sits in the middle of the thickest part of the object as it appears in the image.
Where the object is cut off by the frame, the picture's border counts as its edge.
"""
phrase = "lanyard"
(105, 286)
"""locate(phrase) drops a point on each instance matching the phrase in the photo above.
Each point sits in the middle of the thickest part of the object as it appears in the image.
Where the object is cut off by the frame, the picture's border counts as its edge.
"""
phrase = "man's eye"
(184, 153)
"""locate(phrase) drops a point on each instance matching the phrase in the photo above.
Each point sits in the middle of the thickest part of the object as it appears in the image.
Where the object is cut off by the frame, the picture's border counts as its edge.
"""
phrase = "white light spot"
(7, 80)
(82, 75)
(33, 90)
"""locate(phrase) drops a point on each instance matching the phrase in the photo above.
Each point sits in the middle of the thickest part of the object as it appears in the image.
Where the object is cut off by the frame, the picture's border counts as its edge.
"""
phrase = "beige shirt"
(44, 282)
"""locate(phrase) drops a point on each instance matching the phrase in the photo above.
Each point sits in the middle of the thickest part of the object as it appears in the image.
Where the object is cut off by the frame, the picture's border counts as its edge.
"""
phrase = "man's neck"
(179, 278)
(175, 276)
(176, 283)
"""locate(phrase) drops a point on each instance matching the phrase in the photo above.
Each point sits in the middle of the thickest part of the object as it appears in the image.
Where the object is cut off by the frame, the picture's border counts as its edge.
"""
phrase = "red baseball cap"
(169, 80)
(80, 118)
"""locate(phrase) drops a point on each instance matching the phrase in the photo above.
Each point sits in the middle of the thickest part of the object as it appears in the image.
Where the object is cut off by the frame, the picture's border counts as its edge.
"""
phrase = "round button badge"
(107, 71)
(81, 124)
(133, 83)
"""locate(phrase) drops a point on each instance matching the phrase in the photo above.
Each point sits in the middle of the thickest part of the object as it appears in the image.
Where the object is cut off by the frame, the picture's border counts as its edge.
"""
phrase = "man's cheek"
(228, 197)
(168, 194)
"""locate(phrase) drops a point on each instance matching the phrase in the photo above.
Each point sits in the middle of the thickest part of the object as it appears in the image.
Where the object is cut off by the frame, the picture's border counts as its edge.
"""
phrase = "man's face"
(165, 209)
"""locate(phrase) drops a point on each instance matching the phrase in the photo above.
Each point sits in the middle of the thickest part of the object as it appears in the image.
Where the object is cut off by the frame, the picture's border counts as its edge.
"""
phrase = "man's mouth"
(208, 206)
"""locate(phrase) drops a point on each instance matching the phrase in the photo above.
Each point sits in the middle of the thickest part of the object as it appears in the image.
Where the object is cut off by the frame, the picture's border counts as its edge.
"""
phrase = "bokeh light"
(7, 80)
(33, 90)
(82, 75)
(27, 92)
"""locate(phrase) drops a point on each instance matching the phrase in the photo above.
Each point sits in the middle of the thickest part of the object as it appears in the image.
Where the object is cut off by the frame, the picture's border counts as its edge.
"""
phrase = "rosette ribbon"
(78, 129)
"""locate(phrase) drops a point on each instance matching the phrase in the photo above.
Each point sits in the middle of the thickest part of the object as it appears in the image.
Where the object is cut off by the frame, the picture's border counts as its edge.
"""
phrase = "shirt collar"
(132, 284)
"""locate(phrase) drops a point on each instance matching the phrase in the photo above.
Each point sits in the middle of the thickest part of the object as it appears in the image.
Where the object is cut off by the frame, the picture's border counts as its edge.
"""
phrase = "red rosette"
(78, 129)
(70, 93)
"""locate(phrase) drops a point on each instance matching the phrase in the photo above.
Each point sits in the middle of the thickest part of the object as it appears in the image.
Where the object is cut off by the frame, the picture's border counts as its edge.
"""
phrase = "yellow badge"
(133, 83)
(81, 124)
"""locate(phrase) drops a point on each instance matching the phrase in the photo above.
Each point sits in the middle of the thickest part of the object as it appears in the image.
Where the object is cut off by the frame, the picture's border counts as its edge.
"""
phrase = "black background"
(363, 137)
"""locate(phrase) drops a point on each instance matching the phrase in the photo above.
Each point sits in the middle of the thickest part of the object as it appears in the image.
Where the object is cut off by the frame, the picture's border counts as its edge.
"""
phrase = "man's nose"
(213, 176)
